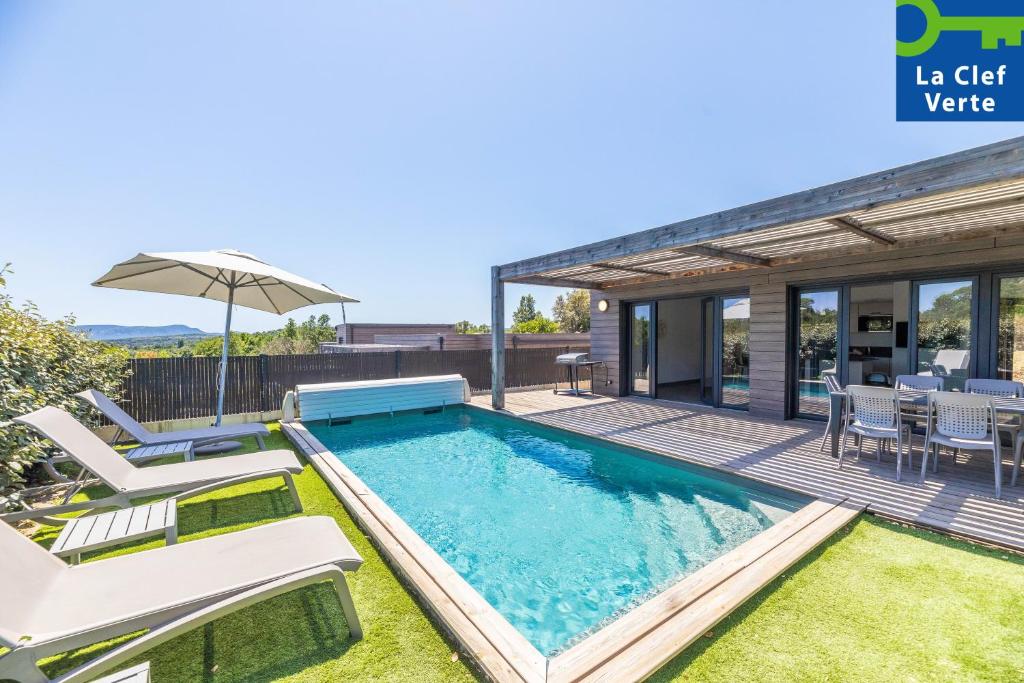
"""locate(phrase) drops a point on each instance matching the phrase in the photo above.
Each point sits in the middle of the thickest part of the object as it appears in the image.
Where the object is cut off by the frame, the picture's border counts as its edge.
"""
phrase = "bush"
(43, 363)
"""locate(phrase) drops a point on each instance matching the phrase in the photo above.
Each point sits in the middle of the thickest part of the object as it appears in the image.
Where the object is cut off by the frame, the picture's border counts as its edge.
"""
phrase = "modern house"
(917, 269)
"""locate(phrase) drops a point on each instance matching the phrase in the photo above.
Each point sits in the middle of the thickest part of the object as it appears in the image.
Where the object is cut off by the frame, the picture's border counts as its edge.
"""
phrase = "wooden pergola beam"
(630, 269)
(853, 225)
(724, 255)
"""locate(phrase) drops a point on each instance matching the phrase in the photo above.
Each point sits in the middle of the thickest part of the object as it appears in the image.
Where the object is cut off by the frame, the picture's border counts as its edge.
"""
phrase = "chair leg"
(997, 457)
(842, 447)
(1016, 459)
(935, 460)
(924, 459)
(860, 445)
(899, 454)
(828, 430)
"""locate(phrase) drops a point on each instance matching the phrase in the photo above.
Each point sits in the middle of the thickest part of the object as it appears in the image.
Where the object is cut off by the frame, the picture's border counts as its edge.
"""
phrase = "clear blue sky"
(397, 150)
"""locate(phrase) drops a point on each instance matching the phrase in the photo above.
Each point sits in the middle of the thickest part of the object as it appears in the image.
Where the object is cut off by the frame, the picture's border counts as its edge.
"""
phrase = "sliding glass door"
(945, 331)
(690, 349)
(817, 348)
(641, 349)
(1009, 353)
(735, 351)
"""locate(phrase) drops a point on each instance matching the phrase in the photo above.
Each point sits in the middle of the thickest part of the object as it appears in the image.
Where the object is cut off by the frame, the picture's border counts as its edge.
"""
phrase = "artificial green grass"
(878, 602)
(302, 635)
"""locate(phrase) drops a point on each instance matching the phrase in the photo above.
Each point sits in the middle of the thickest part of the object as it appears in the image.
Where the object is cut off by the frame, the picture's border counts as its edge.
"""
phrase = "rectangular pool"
(559, 533)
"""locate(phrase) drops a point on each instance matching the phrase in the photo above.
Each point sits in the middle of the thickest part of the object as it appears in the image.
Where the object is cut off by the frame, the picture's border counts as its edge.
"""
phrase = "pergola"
(973, 193)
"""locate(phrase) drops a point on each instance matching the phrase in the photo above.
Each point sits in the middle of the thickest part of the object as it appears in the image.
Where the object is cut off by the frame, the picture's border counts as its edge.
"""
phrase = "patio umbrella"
(226, 275)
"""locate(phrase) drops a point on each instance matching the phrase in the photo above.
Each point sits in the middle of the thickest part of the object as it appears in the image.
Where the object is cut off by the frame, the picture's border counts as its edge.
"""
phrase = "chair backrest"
(1004, 388)
(965, 416)
(99, 401)
(81, 445)
(874, 407)
(26, 571)
(952, 359)
(919, 382)
(831, 381)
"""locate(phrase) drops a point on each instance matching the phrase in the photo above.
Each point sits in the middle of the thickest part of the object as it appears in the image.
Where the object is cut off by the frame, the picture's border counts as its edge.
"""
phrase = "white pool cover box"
(350, 399)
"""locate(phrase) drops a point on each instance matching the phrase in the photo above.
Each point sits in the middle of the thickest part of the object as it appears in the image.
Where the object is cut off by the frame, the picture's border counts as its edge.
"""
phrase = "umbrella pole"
(224, 357)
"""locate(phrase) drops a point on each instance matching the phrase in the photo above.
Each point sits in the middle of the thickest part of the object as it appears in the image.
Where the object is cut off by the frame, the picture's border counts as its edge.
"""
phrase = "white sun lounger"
(189, 478)
(203, 435)
(50, 607)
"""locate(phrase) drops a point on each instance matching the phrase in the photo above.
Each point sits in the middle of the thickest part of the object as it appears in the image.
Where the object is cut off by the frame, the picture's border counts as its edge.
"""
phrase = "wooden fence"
(183, 388)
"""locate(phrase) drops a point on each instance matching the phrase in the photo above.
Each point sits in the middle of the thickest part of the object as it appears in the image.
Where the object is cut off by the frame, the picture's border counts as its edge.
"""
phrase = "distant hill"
(117, 332)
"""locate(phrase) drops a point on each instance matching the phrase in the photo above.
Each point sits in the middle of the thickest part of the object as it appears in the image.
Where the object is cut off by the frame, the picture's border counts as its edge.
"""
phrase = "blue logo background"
(955, 49)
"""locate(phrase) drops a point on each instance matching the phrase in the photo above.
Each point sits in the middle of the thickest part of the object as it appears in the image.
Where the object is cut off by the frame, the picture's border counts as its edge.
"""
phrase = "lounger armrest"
(241, 479)
(45, 513)
(193, 620)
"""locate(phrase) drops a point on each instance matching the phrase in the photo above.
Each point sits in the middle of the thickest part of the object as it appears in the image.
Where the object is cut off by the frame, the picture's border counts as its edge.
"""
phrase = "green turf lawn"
(877, 603)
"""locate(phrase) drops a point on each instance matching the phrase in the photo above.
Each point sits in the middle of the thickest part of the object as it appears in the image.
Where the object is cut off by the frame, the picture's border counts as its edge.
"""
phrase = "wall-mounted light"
(602, 305)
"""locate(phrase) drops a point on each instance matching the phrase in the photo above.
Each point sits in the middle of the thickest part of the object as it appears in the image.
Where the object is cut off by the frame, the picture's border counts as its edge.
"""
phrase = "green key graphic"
(992, 29)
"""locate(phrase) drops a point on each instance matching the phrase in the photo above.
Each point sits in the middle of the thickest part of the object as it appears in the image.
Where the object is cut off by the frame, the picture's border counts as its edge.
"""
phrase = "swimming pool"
(559, 533)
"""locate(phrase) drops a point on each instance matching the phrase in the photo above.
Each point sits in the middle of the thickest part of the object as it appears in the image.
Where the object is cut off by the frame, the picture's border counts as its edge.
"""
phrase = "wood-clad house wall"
(768, 289)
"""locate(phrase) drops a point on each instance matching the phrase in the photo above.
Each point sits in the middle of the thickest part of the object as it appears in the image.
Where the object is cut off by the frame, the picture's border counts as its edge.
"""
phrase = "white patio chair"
(963, 422)
(874, 412)
(919, 382)
(832, 385)
(1001, 388)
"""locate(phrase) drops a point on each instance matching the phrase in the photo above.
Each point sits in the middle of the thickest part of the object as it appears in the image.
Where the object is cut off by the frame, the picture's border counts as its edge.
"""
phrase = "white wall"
(678, 340)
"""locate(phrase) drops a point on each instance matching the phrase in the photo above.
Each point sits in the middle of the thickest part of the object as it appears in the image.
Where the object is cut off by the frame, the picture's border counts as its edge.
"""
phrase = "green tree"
(527, 310)
(572, 311)
(291, 330)
(536, 325)
(466, 327)
(44, 363)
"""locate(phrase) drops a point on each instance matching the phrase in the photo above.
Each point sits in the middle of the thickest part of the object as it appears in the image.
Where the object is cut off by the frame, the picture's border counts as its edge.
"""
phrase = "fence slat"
(183, 388)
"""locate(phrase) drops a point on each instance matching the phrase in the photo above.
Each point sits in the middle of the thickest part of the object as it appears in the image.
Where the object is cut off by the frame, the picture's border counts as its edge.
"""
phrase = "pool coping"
(630, 647)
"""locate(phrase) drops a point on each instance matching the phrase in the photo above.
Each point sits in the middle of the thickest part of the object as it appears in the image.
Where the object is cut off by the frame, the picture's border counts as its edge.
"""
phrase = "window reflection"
(944, 331)
(818, 340)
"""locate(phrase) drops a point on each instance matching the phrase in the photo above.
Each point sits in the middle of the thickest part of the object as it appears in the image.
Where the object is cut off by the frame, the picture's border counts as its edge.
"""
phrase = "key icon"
(992, 29)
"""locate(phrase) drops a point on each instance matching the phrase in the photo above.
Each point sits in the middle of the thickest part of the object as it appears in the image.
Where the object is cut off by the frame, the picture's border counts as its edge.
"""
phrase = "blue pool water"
(559, 533)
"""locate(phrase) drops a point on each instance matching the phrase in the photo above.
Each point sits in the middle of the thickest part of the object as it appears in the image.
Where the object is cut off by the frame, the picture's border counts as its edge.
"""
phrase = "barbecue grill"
(573, 362)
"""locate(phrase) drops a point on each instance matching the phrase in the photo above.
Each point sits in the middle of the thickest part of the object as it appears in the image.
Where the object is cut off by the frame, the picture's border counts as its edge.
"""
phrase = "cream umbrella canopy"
(227, 275)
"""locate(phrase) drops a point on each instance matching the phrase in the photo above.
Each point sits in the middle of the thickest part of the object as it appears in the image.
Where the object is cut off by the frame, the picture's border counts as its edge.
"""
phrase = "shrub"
(43, 362)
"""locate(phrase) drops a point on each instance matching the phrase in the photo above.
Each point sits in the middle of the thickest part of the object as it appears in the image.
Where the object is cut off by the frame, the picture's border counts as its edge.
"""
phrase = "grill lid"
(572, 358)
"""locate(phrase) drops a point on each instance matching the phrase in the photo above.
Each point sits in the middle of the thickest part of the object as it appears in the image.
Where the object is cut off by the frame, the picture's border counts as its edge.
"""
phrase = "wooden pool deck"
(958, 499)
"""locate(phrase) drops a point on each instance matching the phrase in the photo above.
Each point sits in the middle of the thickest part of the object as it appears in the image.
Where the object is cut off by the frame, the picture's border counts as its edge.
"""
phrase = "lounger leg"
(290, 483)
(259, 441)
(347, 606)
(20, 665)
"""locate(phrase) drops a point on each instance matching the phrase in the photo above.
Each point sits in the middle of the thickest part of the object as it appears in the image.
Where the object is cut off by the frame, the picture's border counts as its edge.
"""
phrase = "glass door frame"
(793, 342)
(652, 349)
(977, 318)
(992, 357)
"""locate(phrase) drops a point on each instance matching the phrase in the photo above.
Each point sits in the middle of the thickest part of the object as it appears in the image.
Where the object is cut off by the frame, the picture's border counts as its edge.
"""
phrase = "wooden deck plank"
(958, 499)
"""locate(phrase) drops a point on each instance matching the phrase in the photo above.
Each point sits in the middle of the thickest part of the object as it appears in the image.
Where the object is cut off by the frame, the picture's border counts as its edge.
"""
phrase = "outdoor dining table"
(909, 399)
